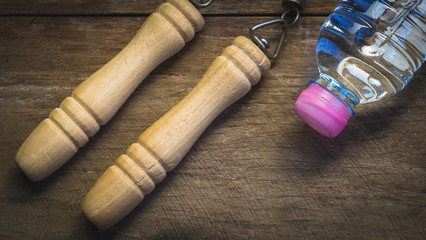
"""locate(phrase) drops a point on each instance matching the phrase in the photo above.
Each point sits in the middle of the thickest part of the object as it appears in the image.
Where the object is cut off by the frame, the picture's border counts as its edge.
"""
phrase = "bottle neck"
(340, 91)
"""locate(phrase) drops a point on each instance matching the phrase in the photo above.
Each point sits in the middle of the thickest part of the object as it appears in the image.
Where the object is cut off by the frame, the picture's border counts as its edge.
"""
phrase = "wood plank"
(257, 172)
(246, 7)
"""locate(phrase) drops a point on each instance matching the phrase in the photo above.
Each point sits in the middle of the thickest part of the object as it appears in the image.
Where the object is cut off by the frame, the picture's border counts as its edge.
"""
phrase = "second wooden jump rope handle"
(163, 145)
(98, 98)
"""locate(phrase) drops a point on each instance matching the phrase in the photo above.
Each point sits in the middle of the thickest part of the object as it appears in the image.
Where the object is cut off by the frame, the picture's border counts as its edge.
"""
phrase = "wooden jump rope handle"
(94, 102)
(163, 145)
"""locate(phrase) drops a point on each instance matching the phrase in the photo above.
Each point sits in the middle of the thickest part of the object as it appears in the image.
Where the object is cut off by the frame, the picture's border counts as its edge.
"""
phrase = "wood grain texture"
(101, 7)
(96, 100)
(257, 171)
(162, 146)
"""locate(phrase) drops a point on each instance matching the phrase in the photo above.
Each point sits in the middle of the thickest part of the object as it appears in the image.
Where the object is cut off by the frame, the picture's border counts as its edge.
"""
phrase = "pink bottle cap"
(322, 110)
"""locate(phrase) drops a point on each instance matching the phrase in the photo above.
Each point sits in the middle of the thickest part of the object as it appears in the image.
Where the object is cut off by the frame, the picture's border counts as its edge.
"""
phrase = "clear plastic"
(371, 48)
(367, 51)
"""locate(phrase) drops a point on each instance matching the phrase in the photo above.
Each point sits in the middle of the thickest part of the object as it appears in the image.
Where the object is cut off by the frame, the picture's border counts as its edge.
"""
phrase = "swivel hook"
(287, 19)
(201, 3)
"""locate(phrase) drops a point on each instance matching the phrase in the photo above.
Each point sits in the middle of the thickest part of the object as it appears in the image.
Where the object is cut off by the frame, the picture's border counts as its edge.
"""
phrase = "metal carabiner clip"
(286, 21)
(201, 3)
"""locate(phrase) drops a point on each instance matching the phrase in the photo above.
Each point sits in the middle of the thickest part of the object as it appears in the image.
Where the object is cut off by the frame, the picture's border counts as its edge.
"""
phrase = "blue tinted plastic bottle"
(367, 51)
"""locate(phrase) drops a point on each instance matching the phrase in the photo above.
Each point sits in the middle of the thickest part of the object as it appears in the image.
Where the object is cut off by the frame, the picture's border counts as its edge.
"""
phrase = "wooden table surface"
(258, 172)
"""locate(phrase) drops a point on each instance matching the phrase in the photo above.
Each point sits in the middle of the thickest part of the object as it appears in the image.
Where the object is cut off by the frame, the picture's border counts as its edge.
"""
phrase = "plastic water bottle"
(367, 51)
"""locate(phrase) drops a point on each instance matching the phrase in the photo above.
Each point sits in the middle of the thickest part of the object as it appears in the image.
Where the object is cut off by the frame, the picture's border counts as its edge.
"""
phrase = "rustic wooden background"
(258, 172)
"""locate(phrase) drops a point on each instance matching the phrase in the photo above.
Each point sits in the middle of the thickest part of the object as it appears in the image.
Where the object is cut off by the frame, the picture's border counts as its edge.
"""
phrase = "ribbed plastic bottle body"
(369, 50)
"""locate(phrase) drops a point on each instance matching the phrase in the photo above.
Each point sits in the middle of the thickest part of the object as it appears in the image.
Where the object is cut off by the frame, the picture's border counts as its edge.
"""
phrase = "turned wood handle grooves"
(163, 145)
(95, 101)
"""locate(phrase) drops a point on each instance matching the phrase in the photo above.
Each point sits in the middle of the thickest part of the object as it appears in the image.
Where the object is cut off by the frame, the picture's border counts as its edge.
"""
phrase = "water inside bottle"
(372, 48)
